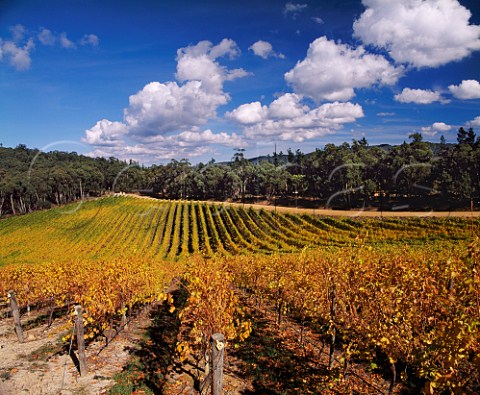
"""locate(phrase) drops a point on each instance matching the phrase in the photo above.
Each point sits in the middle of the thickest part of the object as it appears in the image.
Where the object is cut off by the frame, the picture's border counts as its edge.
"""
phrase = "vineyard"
(395, 299)
(116, 227)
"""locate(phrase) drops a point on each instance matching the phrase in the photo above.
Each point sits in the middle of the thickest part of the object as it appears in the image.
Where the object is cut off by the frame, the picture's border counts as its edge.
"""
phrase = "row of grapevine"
(174, 243)
(416, 309)
(260, 233)
(229, 245)
(193, 230)
(105, 289)
(158, 229)
(112, 227)
(211, 307)
(169, 227)
(205, 241)
(216, 242)
(184, 251)
(235, 234)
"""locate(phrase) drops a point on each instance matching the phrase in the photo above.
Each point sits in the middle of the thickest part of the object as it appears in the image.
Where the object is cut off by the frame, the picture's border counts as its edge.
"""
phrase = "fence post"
(80, 340)
(218, 345)
(16, 316)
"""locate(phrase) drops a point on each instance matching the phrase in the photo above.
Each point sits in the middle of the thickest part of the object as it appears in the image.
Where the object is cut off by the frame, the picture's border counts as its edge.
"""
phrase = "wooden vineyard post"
(16, 316)
(80, 340)
(394, 377)
(123, 321)
(218, 346)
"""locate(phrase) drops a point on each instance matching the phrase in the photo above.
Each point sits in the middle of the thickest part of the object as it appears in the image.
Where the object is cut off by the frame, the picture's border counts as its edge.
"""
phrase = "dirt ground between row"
(41, 366)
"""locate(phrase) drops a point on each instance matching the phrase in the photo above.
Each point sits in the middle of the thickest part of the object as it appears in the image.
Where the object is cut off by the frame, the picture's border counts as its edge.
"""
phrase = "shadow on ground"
(152, 358)
(277, 364)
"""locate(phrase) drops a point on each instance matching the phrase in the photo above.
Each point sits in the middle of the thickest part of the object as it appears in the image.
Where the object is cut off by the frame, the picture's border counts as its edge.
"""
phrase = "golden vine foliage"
(419, 307)
(211, 307)
(417, 304)
(112, 227)
(105, 289)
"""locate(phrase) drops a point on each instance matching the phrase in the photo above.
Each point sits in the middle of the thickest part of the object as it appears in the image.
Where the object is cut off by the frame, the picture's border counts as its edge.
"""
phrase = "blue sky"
(154, 80)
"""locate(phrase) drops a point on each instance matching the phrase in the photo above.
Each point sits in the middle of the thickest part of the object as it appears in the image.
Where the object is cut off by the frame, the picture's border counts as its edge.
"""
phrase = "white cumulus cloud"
(468, 89)
(18, 48)
(436, 127)
(198, 62)
(17, 56)
(166, 107)
(287, 106)
(163, 119)
(294, 9)
(105, 133)
(419, 96)
(187, 144)
(422, 33)
(333, 71)
(46, 37)
(18, 33)
(249, 113)
(194, 138)
(287, 118)
(441, 127)
(90, 39)
(65, 42)
(265, 50)
(474, 122)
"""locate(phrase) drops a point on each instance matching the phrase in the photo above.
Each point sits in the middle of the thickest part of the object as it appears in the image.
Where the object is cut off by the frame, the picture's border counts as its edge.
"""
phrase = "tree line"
(412, 175)
(32, 180)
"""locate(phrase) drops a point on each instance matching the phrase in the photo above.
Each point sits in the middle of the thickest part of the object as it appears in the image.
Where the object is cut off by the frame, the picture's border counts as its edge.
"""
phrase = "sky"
(156, 80)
